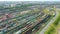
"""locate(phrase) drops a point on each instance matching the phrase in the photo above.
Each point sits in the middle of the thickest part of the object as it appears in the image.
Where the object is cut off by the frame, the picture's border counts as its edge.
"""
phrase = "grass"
(53, 28)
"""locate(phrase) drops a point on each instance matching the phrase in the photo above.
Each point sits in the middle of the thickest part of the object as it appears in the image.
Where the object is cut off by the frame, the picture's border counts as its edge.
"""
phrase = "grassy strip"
(51, 28)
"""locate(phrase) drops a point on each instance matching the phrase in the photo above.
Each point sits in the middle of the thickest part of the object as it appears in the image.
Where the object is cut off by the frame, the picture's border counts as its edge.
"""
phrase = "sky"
(29, 0)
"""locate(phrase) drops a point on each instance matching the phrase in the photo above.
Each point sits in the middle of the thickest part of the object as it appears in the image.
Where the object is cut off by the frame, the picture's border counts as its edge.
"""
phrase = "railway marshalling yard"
(29, 19)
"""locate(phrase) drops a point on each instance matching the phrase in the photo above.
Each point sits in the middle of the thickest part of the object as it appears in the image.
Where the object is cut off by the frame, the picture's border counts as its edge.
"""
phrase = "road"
(46, 27)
